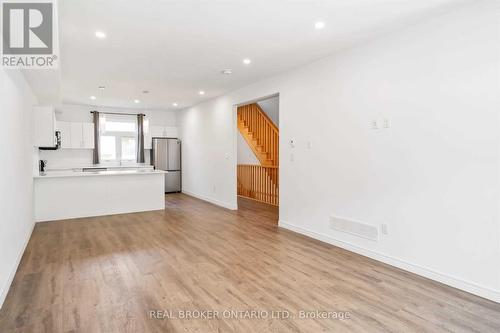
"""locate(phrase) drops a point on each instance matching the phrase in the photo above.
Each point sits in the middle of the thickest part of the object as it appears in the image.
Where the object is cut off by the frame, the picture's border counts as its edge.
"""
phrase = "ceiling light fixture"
(202, 92)
(247, 61)
(102, 87)
(92, 97)
(319, 25)
(174, 104)
(100, 34)
(136, 101)
(227, 71)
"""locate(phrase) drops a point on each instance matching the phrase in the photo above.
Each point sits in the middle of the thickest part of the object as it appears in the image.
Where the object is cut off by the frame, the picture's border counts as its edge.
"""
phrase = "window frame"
(118, 135)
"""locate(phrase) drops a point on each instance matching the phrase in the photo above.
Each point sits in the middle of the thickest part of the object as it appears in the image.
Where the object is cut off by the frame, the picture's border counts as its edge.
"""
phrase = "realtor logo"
(28, 35)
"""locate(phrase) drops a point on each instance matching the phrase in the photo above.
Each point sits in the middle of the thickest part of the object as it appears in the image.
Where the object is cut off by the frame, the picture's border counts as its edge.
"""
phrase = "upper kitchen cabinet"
(44, 126)
(171, 132)
(76, 135)
(153, 131)
(157, 131)
(147, 136)
(88, 135)
(64, 128)
(163, 131)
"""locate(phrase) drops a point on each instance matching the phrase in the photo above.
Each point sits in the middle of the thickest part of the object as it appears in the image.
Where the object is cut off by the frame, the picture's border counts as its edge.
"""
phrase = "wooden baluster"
(257, 182)
(261, 188)
(266, 185)
(268, 198)
(260, 183)
(274, 186)
(257, 173)
(252, 184)
(254, 181)
(268, 188)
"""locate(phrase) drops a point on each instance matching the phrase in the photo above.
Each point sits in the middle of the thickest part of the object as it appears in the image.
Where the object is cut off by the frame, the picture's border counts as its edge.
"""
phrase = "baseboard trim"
(470, 287)
(6, 287)
(213, 201)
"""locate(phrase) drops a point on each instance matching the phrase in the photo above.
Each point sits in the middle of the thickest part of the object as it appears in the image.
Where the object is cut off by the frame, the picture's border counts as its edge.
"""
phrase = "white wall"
(208, 134)
(63, 158)
(433, 177)
(16, 173)
(245, 153)
(270, 106)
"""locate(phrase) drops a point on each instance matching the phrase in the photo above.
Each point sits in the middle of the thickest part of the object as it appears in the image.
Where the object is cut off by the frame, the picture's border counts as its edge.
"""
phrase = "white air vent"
(354, 228)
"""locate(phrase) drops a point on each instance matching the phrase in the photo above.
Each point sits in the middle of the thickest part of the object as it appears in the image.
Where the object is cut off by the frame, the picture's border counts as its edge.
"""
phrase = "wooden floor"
(106, 274)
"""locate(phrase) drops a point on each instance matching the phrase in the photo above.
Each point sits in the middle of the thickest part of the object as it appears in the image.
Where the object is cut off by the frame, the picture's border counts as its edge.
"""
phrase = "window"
(118, 138)
(108, 148)
(128, 148)
(118, 126)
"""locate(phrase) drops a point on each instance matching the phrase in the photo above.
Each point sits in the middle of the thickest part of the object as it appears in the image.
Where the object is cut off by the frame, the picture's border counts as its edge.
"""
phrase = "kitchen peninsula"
(68, 194)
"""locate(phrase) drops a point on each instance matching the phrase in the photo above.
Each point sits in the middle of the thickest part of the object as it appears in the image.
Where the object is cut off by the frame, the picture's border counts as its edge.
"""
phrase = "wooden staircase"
(259, 182)
(260, 133)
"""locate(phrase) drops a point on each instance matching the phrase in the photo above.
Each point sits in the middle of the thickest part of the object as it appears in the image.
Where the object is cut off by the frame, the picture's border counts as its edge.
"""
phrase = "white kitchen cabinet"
(148, 141)
(164, 131)
(88, 135)
(76, 135)
(65, 128)
(157, 131)
(44, 126)
(171, 132)
(147, 136)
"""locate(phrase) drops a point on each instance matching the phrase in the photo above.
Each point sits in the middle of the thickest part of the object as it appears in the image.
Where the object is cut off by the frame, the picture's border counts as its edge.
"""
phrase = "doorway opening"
(258, 155)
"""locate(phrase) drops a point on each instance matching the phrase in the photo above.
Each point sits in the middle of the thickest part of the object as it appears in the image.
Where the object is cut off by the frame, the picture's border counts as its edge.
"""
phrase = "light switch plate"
(387, 123)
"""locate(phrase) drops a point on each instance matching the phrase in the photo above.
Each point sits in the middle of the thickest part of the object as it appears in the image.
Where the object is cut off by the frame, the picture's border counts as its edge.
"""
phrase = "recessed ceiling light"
(145, 91)
(319, 25)
(174, 104)
(92, 97)
(202, 92)
(227, 71)
(136, 101)
(247, 61)
(102, 87)
(100, 34)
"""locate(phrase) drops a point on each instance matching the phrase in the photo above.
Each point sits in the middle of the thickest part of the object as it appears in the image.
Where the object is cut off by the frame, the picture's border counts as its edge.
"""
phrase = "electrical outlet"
(374, 124)
(384, 229)
(292, 157)
(387, 123)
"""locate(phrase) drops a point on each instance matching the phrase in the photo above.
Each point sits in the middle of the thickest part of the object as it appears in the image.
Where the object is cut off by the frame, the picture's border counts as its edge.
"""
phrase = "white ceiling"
(176, 48)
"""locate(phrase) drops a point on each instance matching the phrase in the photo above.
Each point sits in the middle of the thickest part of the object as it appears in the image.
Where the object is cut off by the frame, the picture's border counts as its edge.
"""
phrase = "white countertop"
(70, 173)
(100, 166)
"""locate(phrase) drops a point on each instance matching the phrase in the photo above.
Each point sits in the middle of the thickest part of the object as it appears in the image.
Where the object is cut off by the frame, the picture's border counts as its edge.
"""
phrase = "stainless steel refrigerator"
(166, 155)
